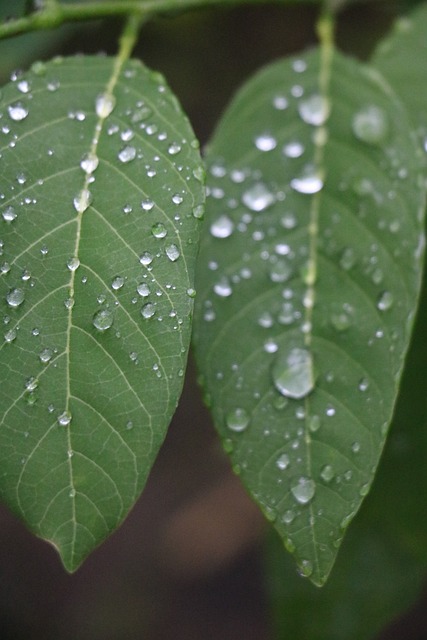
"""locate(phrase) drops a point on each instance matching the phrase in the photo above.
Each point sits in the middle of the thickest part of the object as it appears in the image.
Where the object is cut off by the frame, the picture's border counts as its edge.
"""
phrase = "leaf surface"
(100, 179)
(308, 280)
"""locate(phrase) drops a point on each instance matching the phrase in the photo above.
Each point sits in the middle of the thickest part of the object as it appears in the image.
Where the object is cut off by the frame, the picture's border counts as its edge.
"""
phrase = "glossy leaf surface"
(101, 193)
(308, 280)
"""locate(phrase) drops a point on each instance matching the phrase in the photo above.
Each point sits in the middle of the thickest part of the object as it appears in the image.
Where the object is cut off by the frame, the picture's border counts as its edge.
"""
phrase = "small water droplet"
(172, 252)
(117, 283)
(10, 335)
(146, 258)
(223, 288)
(45, 355)
(15, 297)
(327, 473)
(148, 310)
(9, 214)
(104, 105)
(355, 447)
(293, 373)
(103, 319)
(385, 301)
(64, 419)
(314, 423)
(72, 493)
(282, 462)
(280, 102)
(314, 110)
(174, 149)
(363, 384)
(177, 198)
(159, 230)
(293, 149)
(147, 205)
(191, 293)
(89, 163)
(73, 264)
(199, 211)
(237, 420)
(305, 568)
(127, 154)
(258, 197)
(222, 227)
(309, 181)
(303, 490)
(143, 289)
(371, 125)
(82, 200)
(17, 111)
(280, 271)
(265, 142)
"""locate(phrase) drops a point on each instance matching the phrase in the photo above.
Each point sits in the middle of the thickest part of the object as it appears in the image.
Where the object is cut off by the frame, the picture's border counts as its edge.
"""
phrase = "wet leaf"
(308, 281)
(94, 303)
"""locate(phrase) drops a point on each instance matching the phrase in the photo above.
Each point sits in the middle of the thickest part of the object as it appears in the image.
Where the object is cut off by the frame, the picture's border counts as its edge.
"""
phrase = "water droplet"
(146, 258)
(341, 321)
(177, 198)
(24, 86)
(9, 214)
(174, 148)
(265, 142)
(222, 227)
(172, 252)
(82, 201)
(10, 335)
(303, 490)
(104, 105)
(44, 250)
(127, 154)
(327, 473)
(64, 419)
(355, 447)
(159, 230)
(305, 568)
(143, 289)
(258, 197)
(148, 310)
(385, 301)
(103, 319)
(15, 297)
(280, 102)
(293, 373)
(363, 384)
(223, 288)
(280, 271)
(45, 355)
(237, 420)
(199, 211)
(293, 149)
(371, 125)
(191, 293)
(117, 283)
(282, 462)
(314, 423)
(73, 263)
(314, 109)
(31, 384)
(147, 205)
(308, 182)
(89, 163)
(72, 493)
(17, 111)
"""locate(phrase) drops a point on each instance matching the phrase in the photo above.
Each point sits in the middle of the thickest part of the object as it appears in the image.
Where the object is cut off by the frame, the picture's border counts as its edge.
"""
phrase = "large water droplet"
(293, 373)
(265, 142)
(73, 264)
(89, 163)
(146, 258)
(258, 197)
(172, 252)
(148, 310)
(222, 227)
(237, 420)
(143, 289)
(314, 110)
(64, 419)
(159, 230)
(371, 125)
(15, 297)
(103, 319)
(9, 214)
(309, 181)
(104, 105)
(18, 111)
(303, 490)
(293, 149)
(127, 154)
(45, 355)
(117, 283)
(223, 288)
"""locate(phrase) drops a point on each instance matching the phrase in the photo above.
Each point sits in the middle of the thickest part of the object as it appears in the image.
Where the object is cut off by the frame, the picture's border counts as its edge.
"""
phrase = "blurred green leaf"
(100, 177)
(308, 280)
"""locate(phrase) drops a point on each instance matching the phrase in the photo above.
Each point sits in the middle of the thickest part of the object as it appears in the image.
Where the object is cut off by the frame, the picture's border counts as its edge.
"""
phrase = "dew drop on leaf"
(15, 297)
(103, 319)
(308, 182)
(117, 283)
(127, 154)
(327, 473)
(172, 252)
(371, 125)
(17, 111)
(385, 301)
(89, 163)
(258, 197)
(104, 105)
(9, 214)
(148, 310)
(314, 110)
(64, 419)
(282, 462)
(237, 420)
(159, 230)
(293, 374)
(303, 490)
(222, 227)
(265, 142)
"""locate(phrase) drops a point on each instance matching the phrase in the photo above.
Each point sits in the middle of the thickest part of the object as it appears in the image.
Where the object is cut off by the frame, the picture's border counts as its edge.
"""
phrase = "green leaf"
(402, 59)
(101, 193)
(308, 281)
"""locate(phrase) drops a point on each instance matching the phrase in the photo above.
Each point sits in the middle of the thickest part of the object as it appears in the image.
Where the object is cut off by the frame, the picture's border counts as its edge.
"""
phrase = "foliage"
(308, 278)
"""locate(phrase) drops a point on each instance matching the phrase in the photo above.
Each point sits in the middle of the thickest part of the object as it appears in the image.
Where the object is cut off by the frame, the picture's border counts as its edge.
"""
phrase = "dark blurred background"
(188, 561)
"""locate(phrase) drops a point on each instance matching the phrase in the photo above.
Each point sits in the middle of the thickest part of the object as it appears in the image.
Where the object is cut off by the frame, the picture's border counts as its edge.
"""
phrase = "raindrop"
(222, 227)
(10, 335)
(174, 148)
(103, 319)
(237, 420)
(159, 230)
(24, 86)
(355, 447)
(314, 423)
(293, 149)
(288, 516)
(198, 211)
(146, 258)
(347, 259)
(314, 110)
(45, 355)
(305, 568)
(82, 201)
(17, 111)
(280, 271)
(172, 252)
(64, 419)
(385, 301)
(89, 163)
(363, 384)
(309, 181)
(265, 142)
(327, 473)
(371, 125)
(31, 384)
(117, 283)
(148, 310)
(127, 154)
(223, 288)
(9, 214)
(73, 264)
(15, 297)
(147, 205)
(143, 289)
(280, 102)
(104, 105)
(266, 320)
(282, 462)
(293, 373)
(72, 493)
(304, 490)
(258, 197)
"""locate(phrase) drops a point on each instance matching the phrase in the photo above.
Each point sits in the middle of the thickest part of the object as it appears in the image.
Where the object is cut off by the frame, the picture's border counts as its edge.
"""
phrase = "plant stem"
(54, 13)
